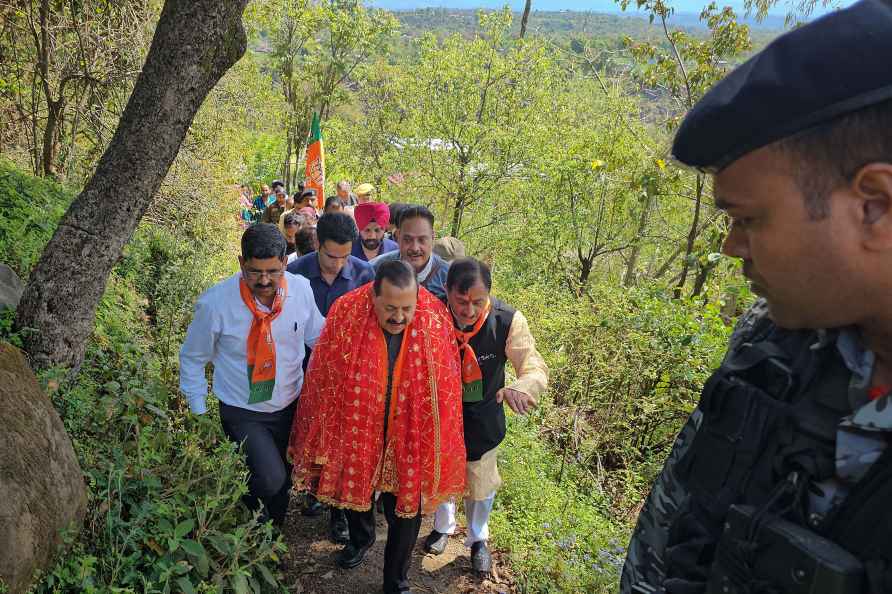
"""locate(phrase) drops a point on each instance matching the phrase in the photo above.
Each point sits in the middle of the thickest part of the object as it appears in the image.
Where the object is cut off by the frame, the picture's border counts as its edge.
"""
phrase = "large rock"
(11, 287)
(41, 484)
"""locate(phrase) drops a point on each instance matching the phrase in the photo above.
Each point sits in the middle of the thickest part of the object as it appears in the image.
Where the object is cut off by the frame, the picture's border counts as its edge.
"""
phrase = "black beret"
(835, 65)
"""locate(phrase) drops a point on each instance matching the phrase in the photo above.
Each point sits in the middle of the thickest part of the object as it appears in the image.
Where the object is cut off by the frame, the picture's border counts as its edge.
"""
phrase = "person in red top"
(381, 410)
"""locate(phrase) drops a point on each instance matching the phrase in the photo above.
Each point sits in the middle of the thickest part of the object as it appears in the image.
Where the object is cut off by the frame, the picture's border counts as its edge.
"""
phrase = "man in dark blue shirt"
(331, 270)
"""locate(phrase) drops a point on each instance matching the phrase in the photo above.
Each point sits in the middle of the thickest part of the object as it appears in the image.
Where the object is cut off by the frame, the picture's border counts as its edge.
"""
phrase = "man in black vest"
(490, 333)
(773, 485)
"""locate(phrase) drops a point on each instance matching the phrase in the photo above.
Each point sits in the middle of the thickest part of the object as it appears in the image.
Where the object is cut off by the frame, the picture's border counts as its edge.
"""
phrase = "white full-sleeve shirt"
(219, 334)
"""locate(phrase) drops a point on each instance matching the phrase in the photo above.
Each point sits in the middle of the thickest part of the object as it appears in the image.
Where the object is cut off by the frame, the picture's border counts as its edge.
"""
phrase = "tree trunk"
(457, 213)
(195, 43)
(525, 18)
(632, 263)
(51, 135)
(692, 237)
(286, 166)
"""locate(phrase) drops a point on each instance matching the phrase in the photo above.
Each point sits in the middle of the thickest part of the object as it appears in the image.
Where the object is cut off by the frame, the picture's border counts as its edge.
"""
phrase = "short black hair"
(397, 273)
(276, 184)
(262, 241)
(291, 217)
(338, 227)
(304, 241)
(464, 274)
(332, 200)
(829, 155)
(299, 195)
(396, 211)
(415, 211)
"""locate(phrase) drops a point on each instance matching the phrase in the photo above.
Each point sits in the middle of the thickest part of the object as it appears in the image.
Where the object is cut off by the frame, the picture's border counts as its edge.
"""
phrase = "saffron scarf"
(261, 348)
(337, 443)
(471, 376)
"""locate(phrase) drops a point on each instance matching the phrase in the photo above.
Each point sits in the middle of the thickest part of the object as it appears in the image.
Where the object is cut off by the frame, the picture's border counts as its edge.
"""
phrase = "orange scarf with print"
(338, 444)
(471, 376)
(261, 348)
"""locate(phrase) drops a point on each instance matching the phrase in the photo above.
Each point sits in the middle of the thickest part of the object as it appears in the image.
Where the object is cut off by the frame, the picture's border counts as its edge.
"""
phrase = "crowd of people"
(359, 367)
(780, 478)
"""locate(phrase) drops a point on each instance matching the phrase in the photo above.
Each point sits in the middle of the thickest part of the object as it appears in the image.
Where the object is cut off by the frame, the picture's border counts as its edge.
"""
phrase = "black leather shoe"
(481, 560)
(337, 527)
(312, 507)
(351, 556)
(435, 543)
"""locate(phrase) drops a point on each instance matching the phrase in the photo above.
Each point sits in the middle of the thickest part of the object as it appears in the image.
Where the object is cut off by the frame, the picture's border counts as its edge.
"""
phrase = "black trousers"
(265, 439)
(401, 536)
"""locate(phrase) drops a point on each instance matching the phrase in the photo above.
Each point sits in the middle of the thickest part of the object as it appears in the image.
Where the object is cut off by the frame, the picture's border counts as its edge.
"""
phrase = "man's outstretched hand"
(518, 401)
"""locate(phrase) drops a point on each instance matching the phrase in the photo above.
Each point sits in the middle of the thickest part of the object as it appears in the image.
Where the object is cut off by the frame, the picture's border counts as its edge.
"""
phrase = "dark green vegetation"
(547, 156)
(165, 511)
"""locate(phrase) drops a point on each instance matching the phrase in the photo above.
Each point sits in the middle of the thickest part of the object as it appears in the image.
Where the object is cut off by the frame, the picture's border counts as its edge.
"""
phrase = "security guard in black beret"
(781, 480)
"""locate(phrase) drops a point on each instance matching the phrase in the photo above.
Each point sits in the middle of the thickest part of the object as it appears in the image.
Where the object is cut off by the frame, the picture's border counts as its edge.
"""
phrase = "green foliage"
(547, 155)
(558, 534)
(315, 48)
(165, 511)
(31, 210)
(67, 70)
(689, 66)
(626, 370)
(452, 124)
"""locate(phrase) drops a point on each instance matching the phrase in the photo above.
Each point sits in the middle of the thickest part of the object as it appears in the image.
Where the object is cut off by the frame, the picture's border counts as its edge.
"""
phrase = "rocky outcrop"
(42, 487)
(11, 287)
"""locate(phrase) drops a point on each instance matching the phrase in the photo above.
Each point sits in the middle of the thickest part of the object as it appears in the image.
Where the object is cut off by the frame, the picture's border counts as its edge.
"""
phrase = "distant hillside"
(568, 24)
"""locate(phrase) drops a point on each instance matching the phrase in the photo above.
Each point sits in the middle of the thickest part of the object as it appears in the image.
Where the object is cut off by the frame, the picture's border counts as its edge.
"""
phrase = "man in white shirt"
(253, 327)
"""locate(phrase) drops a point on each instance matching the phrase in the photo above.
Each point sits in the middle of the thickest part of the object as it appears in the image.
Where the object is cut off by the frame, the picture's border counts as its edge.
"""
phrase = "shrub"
(559, 535)
(31, 210)
(164, 487)
(627, 367)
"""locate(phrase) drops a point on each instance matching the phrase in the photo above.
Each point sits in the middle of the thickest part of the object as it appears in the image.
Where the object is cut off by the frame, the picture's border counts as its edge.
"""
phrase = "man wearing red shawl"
(381, 411)
(372, 220)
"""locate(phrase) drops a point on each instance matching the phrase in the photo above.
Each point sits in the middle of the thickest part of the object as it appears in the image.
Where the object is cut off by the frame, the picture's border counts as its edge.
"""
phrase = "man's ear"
(241, 260)
(872, 186)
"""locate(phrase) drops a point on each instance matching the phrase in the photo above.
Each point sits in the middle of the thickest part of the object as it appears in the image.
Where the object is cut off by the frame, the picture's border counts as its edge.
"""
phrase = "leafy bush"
(559, 535)
(627, 367)
(164, 487)
(31, 210)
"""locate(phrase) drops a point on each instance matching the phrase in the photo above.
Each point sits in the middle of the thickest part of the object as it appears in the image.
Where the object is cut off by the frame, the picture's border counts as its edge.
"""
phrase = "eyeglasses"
(254, 275)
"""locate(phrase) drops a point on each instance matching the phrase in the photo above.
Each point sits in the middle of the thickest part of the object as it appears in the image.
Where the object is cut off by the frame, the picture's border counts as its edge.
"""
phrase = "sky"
(688, 6)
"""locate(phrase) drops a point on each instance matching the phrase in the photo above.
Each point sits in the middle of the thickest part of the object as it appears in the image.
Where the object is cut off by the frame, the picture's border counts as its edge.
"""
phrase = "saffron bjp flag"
(315, 173)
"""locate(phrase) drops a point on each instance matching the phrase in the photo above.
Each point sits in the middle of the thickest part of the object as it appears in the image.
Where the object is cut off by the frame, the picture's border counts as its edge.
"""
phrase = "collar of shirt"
(868, 415)
(357, 250)
(257, 301)
(314, 271)
(425, 272)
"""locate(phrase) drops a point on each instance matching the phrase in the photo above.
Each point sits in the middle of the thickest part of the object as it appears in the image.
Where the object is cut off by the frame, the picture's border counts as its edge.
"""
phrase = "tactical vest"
(485, 420)
(770, 415)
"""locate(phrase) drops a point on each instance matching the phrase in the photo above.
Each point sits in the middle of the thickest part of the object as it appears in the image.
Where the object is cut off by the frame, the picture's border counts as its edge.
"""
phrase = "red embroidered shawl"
(337, 440)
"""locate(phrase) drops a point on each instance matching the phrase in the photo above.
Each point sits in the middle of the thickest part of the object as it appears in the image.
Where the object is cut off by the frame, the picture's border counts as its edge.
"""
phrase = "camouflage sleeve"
(644, 571)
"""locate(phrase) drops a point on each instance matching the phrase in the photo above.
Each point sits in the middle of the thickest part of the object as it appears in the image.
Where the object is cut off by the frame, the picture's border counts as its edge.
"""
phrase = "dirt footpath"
(310, 563)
